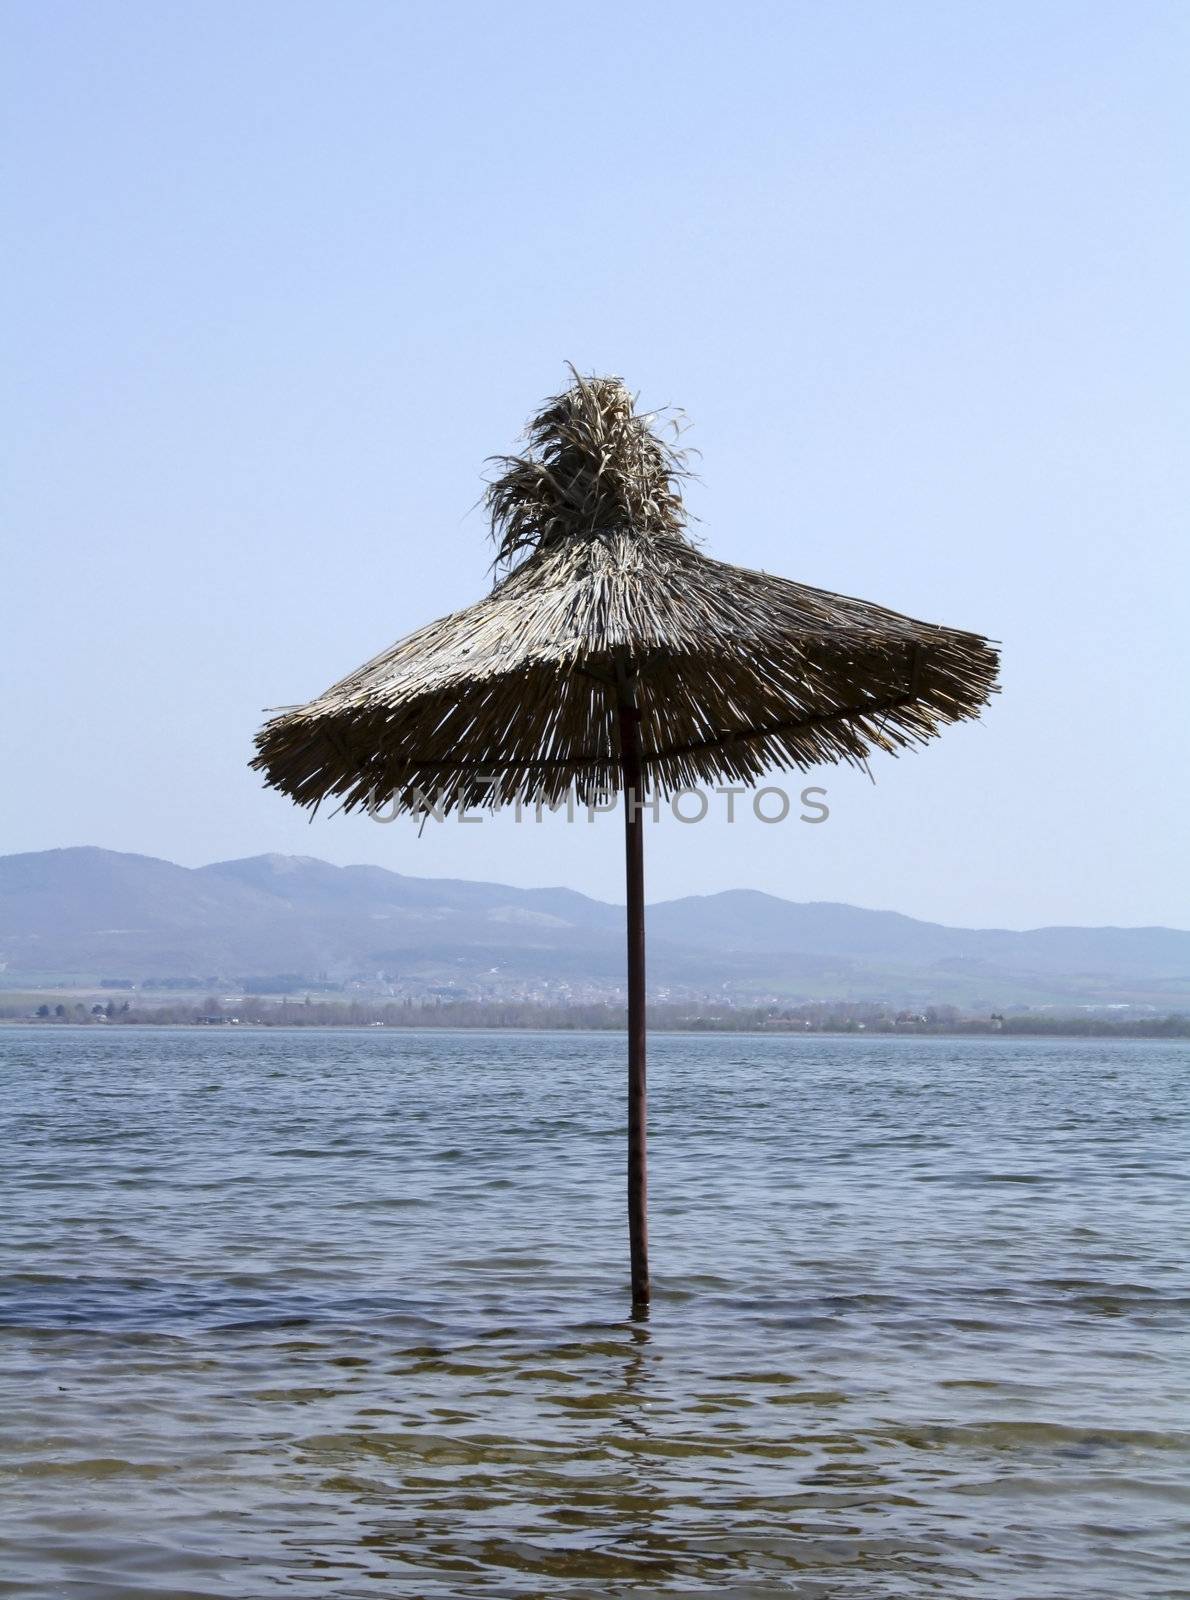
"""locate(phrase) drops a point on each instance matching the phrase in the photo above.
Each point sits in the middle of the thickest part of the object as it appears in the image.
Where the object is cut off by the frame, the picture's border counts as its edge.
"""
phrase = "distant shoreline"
(1167, 1028)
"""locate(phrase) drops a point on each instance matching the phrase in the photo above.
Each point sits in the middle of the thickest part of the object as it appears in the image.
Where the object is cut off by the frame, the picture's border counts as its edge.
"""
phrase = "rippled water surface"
(343, 1314)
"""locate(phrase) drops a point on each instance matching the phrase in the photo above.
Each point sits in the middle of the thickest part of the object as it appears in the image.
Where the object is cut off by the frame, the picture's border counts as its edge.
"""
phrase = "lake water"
(344, 1314)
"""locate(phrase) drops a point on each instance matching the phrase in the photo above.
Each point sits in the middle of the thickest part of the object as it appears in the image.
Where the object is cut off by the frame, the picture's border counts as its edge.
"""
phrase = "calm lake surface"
(343, 1314)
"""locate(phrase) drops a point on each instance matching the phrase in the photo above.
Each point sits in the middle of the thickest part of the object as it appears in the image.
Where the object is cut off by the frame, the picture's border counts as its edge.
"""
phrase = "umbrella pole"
(634, 862)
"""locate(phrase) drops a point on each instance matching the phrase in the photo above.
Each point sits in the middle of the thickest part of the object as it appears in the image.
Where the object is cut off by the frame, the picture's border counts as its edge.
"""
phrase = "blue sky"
(282, 275)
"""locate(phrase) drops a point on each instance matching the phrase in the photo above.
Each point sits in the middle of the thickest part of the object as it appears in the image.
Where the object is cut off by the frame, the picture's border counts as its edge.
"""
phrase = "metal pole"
(634, 862)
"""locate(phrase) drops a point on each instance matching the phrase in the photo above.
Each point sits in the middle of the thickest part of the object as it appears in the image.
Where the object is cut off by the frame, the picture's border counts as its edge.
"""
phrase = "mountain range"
(85, 915)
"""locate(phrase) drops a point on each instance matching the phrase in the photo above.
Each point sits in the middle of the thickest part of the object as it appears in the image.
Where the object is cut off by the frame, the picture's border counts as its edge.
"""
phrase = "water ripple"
(311, 1313)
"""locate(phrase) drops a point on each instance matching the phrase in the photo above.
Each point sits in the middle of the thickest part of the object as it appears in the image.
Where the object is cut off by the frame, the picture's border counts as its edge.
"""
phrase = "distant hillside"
(88, 914)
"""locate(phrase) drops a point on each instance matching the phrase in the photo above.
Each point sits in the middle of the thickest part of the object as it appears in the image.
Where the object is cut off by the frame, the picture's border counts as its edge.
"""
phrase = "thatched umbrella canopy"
(613, 656)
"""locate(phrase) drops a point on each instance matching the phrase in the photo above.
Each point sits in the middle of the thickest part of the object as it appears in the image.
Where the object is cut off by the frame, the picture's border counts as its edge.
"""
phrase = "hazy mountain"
(87, 914)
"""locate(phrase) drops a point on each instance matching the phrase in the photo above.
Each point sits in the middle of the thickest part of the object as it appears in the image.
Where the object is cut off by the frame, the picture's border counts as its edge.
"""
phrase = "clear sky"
(280, 275)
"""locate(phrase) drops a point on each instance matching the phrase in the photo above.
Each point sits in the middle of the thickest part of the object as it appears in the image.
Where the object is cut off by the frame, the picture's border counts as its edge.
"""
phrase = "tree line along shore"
(814, 1017)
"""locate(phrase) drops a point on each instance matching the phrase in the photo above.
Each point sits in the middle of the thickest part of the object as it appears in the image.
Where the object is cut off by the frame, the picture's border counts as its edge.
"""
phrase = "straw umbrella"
(612, 657)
